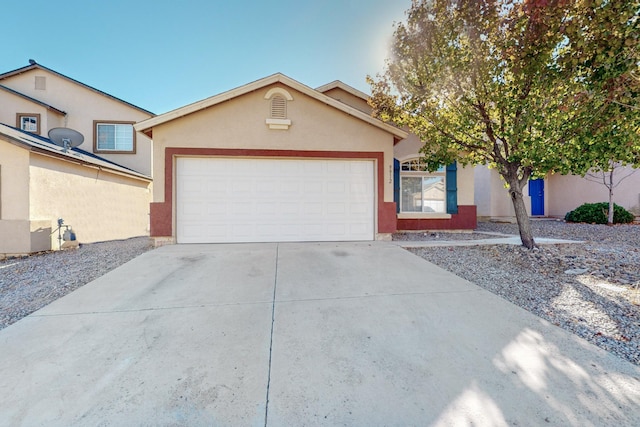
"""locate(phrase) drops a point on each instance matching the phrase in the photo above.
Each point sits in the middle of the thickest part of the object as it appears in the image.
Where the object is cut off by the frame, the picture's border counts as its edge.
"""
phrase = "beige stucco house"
(275, 160)
(552, 196)
(102, 188)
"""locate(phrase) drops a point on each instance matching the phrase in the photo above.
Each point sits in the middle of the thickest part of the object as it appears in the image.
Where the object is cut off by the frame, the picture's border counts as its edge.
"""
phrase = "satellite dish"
(66, 138)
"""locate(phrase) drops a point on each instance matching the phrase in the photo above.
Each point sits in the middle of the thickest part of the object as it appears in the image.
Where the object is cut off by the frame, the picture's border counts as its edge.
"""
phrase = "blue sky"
(163, 54)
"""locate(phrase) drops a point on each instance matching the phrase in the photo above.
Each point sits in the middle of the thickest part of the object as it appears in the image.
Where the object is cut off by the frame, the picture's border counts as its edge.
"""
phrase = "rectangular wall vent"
(41, 83)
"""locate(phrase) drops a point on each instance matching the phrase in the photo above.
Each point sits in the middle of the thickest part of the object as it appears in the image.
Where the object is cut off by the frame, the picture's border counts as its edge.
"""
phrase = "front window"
(422, 191)
(29, 122)
(113, 137)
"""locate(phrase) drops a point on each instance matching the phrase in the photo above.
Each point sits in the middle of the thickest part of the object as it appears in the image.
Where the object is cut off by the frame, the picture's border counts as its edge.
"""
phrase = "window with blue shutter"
(452, 188)
(396, 184)
(422, 191)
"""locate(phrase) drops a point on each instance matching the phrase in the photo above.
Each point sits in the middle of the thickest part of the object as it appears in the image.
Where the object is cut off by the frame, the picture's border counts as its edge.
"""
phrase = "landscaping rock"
(590, 289)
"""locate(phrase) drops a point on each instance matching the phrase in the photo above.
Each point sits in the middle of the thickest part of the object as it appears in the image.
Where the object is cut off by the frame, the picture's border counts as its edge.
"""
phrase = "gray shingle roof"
(39, 143)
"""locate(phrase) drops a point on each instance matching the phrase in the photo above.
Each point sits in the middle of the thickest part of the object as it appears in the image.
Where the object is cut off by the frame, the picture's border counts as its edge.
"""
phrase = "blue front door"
(536, 191)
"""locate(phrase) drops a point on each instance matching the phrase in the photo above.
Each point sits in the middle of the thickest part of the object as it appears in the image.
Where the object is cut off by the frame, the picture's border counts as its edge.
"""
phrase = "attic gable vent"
(278, 107)
(278, 99)
(41, 83)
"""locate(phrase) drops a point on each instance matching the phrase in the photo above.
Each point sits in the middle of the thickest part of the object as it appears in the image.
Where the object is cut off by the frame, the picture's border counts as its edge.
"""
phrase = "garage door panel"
(358, 208)
(312, 208)
(336, 187)
(261, 200)
(242, 185)
(192, 186)
(315, 187)
(289, 169)
(358, 168)
(193, 212)
(243, 210)
(215, 187)
(267, 209)
(290, 209)
(358, 188)
(265, 185)
(315, 168)
(215, 210)
(336, 209)
(338, 167)
(336, 229)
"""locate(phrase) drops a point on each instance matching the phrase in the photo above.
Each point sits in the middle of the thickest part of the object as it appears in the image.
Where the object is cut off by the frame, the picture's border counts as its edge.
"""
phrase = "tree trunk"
(610, 185)
(522, 217)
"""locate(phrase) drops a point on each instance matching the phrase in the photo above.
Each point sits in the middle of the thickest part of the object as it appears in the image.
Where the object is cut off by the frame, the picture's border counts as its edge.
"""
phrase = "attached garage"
(271, 161)
(222, 200)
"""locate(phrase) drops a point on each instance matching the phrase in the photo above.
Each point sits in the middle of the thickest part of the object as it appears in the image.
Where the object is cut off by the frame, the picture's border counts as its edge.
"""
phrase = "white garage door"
(273, 200)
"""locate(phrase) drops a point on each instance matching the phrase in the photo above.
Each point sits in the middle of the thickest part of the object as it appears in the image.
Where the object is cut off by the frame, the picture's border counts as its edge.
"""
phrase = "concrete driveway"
(363, 334)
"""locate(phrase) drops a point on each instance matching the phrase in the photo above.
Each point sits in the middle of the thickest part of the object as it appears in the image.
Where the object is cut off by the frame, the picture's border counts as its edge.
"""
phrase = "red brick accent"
(161, 213)
(160, 219)
(465, 219)
(387, 218)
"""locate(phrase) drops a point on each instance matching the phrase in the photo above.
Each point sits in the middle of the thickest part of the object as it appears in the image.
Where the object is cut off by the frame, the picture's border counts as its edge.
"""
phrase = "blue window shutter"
(452, 188)
(396, 184)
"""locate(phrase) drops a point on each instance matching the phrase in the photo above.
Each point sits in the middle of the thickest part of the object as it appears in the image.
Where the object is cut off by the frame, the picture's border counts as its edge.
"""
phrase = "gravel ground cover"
(589, 289)
(29, 283)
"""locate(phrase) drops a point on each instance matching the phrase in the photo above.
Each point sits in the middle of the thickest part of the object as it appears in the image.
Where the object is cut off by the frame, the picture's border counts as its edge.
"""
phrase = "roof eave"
(118, 171)
(146, 126)
(337, 84)
(59, 155)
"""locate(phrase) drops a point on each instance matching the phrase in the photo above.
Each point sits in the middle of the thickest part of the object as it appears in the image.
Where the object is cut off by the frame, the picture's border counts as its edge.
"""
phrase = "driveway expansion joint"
(273, 318)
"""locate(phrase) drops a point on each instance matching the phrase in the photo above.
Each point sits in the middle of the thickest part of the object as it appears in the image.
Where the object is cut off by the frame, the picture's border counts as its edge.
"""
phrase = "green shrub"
(597, 213)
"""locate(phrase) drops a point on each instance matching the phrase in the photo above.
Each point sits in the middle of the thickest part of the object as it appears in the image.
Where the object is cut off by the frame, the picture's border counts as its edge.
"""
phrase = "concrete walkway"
(362, 334)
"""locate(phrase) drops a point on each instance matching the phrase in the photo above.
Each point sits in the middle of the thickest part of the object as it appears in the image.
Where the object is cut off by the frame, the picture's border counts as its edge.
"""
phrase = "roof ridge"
(35, 65)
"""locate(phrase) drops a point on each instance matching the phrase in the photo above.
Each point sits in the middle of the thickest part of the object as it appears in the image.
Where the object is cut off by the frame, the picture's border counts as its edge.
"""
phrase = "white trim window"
(422, 191)
(29, 122)
(114, 137)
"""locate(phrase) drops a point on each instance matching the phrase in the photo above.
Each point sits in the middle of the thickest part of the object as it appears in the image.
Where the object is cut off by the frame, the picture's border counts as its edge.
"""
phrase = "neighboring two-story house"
(102, 188)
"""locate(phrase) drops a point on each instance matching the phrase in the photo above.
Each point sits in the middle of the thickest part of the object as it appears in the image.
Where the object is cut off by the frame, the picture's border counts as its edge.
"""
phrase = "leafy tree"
(610, 178)
(606, 57)
(521, 85)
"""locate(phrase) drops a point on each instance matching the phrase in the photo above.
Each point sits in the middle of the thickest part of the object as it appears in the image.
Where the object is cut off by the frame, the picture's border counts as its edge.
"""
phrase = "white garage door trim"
(224, 200)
